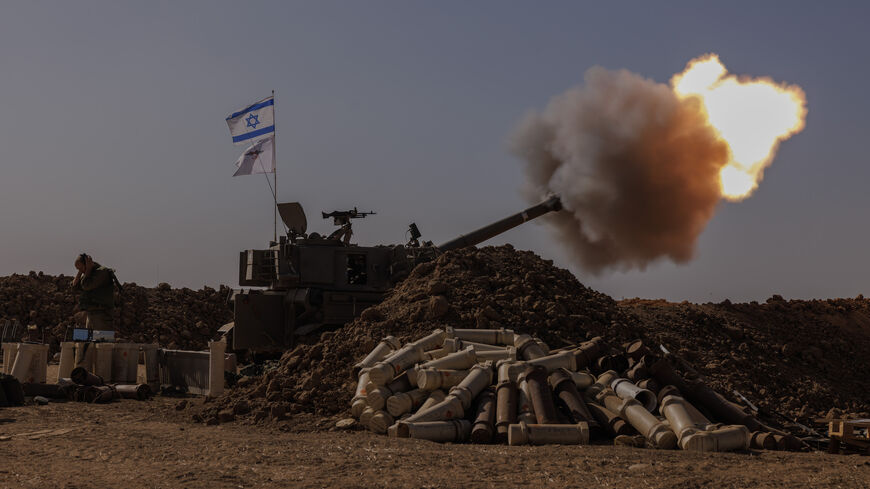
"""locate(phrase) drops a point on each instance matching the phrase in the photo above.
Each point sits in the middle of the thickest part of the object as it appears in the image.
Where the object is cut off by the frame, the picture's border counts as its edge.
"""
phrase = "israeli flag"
(253, 122)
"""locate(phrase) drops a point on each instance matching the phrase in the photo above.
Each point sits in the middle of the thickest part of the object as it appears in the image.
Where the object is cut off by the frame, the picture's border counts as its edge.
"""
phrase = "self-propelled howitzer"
(312, 280)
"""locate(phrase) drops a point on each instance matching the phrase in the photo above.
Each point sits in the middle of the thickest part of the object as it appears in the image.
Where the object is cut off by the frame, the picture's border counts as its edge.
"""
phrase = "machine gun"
(342, 218)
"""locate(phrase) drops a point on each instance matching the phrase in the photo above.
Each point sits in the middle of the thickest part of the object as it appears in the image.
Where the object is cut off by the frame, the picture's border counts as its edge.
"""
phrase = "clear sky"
(113, 140)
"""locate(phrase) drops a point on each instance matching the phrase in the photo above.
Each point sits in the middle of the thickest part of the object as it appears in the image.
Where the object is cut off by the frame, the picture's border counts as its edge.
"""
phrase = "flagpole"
(275, 167)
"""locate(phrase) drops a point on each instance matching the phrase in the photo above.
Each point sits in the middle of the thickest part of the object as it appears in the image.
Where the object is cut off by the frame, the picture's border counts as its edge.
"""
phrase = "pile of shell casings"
(498, 386)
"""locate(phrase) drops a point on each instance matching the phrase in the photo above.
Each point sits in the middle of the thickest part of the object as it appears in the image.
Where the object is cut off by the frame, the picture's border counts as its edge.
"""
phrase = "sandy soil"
(150, 444)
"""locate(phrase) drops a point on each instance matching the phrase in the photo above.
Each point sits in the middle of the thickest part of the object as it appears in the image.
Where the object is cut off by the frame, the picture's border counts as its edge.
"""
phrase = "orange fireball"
(752, 115)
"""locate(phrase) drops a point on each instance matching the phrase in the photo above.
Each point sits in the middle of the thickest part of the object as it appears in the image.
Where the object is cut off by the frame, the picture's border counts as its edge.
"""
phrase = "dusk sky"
(114, 142)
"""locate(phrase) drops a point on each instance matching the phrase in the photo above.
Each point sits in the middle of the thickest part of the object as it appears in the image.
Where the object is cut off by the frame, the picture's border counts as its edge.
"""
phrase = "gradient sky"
(113, 137)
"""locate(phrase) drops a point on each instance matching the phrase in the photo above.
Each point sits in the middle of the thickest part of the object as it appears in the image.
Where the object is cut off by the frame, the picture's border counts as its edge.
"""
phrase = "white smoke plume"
(637, 169)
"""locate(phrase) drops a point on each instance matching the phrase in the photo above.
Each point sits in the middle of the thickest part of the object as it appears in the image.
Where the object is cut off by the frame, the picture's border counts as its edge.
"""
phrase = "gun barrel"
(475, 237)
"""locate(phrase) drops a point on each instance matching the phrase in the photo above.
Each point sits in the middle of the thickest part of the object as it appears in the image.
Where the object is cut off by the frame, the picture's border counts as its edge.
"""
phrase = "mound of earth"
(796, 358)
(491, 287)
(176, 318)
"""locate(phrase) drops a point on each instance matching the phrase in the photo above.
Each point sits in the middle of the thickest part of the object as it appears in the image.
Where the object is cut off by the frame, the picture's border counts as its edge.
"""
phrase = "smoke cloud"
(637, 169)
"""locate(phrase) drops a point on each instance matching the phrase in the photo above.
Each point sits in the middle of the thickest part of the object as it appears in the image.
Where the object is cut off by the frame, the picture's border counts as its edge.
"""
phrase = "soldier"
(97, 298)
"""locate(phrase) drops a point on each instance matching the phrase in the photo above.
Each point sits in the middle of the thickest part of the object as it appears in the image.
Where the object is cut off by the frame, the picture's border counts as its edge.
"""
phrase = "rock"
(491, 313)
(423, 269)
(368, 343)
(372, 315)
(482, 322)
(345, 423)
(629, 441)
(312, 380)
(274, 386)
(316, 352)
(261, 414)
(326, 335)
(734, 333)
(303, 397)
(259, 392)
(438, 306)
(436, 287)
(226, 416)
(293, 362)
(277, 412)
(812, 354)
(182, 405)
(804, 412)
(241, 407)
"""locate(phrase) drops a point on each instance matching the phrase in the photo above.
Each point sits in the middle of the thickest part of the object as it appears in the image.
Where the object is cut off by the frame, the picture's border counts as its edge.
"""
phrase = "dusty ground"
(150, 444)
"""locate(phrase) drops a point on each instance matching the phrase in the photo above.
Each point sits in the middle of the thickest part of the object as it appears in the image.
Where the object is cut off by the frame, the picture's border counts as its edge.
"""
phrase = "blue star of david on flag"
(253, 123)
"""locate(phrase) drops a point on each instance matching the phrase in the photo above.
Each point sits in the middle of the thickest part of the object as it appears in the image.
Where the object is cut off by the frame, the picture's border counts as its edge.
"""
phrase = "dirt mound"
(797, 358)
(177, 318)
(491, 287)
